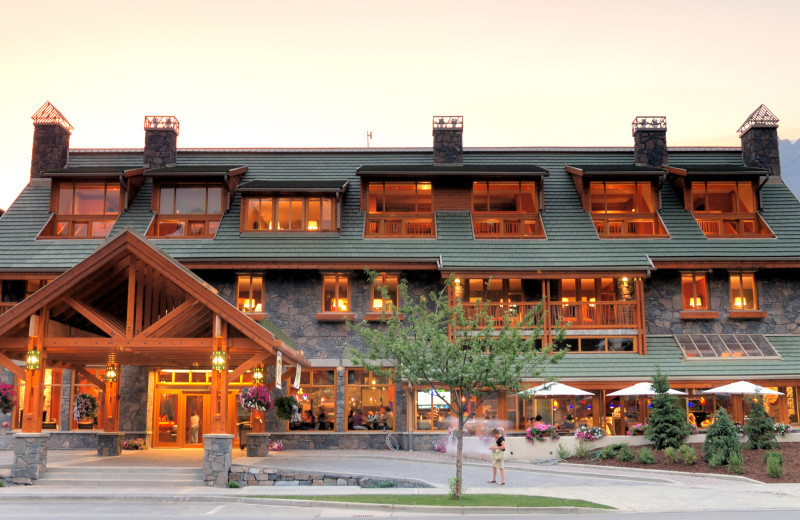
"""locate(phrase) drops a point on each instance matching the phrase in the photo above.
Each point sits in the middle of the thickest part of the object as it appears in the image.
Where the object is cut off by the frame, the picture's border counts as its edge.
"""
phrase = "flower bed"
(637, 429)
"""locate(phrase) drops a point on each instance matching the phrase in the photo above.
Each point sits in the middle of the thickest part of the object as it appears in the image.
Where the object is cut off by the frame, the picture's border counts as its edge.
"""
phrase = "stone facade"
(72, 440)
(30, 457)
(257, 444)
(133, 399)
(217, 458)
(760, 149)
(778, 294)
(447, 146)
(650, 147)
(160, 148)
(66, 403)
(50, 148)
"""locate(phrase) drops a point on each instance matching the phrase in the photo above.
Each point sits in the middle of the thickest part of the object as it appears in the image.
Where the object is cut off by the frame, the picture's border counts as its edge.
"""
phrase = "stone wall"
(447, 146)
(160, 148)
(72, 440)
(133, 399)
(260, 476)
(50, 148)
(650, 147)
(760, 149)
(778, 294)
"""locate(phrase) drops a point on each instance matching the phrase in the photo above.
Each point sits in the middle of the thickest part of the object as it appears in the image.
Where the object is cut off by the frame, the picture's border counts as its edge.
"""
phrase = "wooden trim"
(699, 315)
(89, 377)
(703, 264)
(376, 316)
(746, 315)
(335, 316)
(244, 367)
(350, 265)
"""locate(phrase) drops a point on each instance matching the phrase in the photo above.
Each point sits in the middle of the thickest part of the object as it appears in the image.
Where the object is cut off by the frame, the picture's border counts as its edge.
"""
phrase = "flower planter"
(85, 426)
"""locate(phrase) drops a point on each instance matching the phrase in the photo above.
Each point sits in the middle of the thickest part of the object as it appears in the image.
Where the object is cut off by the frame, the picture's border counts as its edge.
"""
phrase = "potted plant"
(255, 398)
(84, 410)
(8, 398)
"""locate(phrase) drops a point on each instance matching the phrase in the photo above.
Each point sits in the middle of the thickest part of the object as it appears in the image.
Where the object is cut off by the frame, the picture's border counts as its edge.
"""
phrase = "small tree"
(722, 440)
(759, 428)
(458, 353)
(669, 425)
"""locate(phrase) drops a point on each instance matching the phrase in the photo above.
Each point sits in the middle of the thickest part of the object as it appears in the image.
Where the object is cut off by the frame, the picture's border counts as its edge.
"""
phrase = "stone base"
(257, 444)
(217, 458)
(109, 444)
(30, 456)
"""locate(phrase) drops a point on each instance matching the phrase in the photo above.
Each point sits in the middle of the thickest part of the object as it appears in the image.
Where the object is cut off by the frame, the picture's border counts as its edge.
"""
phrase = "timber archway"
(129, 303)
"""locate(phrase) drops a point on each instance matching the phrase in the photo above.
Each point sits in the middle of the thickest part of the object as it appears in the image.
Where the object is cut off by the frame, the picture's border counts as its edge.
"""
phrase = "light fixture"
(112, 372)
(695, 303)
(377, 304)
(218, 360)
(313, 225)
(739, 303)
(33, 359)
(258, 374)
(458, 289)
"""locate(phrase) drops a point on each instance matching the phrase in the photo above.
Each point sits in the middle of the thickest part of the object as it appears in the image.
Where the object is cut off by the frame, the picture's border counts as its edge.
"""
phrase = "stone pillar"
(160, 141)
(341, 404)
(257, 444)
(50, 148)
(650, 141)
(30, 457)
(760, 149)
(217, 458)
(133, 399)
(448, 146)
(66, 404)
(109, 444)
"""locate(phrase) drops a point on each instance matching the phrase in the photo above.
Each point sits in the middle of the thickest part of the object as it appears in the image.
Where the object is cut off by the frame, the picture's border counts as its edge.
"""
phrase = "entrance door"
(181, 419)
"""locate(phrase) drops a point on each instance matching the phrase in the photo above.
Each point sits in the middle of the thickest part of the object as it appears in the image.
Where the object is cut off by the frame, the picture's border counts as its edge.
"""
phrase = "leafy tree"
(669, 425)
(458, 352)
(759, 428)
(722, 440)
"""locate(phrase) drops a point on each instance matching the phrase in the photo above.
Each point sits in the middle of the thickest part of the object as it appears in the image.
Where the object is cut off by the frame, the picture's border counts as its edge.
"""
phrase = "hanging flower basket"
(255, 398)
(285, 407)
(8, 398)
(85, 407)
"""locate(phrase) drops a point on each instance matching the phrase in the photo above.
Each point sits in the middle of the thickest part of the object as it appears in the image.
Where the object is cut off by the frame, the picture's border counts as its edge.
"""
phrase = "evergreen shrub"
(759, 428)
(671, 454)
(688, 455)
(668, 425)
(625, 453)
(774, 460)
(646, 456)
(736, 464)
(722, 440)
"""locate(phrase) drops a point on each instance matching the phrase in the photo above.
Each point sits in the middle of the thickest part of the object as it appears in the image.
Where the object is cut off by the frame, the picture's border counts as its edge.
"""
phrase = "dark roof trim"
(615, 170)
(196, 171)
(93, 172)
(472, 170)
(338, 186)
(722, 170)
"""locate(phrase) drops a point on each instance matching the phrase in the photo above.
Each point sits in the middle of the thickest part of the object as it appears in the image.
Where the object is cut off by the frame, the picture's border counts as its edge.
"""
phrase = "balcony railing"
(400, 226)
(628, 226)
(499, 312)
(732, 225)
(595, 315)
(505, 226)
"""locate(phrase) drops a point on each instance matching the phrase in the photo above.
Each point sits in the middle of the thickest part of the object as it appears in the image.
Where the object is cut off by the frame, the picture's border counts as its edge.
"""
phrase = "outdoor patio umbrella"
(552, 389)
(742, 388)
(641, 389)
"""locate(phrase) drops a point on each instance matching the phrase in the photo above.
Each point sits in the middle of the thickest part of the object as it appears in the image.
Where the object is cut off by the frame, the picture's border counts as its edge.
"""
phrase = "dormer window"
(506, 209)
(86, 209)
(189, 210)
(400, 209)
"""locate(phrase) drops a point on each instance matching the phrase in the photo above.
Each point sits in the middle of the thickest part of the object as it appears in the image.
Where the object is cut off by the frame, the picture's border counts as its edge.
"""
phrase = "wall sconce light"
(112, 372)
(33, 359)
(218, 360)
(625, 288)
(258, 374)
(458, 289)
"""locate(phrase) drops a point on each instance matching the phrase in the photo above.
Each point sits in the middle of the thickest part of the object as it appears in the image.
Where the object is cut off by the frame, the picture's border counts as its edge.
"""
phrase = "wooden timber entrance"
(131, 304)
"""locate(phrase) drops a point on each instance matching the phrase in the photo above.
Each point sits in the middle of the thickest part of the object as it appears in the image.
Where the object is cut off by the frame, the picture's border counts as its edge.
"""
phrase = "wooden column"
(110, 421)
(219, 381)
(34, 379)
(638, 285)
(737, 402)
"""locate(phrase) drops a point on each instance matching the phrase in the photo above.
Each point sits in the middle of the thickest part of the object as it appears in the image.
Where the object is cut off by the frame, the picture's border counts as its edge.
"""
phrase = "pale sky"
(320, 74)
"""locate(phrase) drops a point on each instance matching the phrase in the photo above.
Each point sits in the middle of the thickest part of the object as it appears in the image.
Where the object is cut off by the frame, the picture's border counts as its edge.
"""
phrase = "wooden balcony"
(399, 226)
(628, 226)
(505, 226)
(596, 315)
(499, 312)
(733, 225)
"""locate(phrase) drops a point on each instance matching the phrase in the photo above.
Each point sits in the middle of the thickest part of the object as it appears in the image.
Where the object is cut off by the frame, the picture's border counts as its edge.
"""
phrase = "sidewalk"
(624, 489)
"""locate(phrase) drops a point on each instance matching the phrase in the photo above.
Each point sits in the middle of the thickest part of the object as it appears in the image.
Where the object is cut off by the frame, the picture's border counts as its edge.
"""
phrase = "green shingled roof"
(571, 242)
(453, 169)
(295, 185)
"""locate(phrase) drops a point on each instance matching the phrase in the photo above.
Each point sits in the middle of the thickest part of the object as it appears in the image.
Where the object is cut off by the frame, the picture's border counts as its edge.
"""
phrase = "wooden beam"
(90, 377)
(12, 367)
(103, 322)
(244, 367)
(131, 299)
(177, 313)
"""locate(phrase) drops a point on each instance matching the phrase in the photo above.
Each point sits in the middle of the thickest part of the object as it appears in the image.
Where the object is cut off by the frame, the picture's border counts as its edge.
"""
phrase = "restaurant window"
(369, 401)
(335, 293)
(694, 291)
(51, 400)
(316, 400)
(727, 208)
(189, 211)
(290, 214)
(625, 208)
(378, 301)
(86, 210)
(250, 293)
(399, 209)
(743, 291)
(505, 209)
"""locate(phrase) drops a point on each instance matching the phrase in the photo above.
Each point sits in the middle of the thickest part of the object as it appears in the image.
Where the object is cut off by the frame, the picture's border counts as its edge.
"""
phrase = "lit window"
(727, 208)
(250, 293)
(624, 208)
(694, 291)
(86, 209)
(380, 303)
(400, 209)
(505, 209)
(743, 291)
(316, 400)
(372, 397)
(289, 214)
(188, 211)
(335, 293)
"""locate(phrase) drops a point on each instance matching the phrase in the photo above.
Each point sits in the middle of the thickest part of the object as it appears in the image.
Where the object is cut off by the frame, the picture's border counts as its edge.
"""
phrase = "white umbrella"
(743, 388)
(552, 389)
(641, 389)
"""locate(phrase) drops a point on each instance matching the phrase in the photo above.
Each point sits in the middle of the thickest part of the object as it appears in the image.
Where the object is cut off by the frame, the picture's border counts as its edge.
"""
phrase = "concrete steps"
(121, 477)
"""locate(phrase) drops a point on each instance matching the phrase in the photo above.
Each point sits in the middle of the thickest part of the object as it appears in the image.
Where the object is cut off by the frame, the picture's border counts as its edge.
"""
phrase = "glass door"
(166, 420)
(194, 420)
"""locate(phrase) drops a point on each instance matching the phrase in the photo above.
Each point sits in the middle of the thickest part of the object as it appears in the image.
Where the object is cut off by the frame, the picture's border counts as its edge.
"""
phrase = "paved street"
(632, 491)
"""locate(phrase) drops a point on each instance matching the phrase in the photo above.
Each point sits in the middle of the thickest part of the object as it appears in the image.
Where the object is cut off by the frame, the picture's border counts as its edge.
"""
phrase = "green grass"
(444, 500)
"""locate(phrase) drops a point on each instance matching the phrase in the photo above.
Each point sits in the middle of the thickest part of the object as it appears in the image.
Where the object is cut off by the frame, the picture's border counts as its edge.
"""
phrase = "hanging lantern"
(112, 372)
(258, 374)
(33, 359)
(218, 360)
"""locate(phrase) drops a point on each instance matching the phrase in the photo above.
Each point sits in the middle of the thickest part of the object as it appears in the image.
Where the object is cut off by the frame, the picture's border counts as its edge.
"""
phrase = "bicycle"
(392, 444)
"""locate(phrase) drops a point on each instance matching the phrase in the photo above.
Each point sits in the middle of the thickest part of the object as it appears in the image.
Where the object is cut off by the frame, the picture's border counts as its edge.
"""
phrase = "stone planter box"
(547, 449)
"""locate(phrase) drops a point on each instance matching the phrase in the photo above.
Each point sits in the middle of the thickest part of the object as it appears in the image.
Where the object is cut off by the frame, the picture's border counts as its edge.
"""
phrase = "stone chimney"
(759, 134)
(447, 140)
(160, 141)
(51, 132)
(650, 141)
